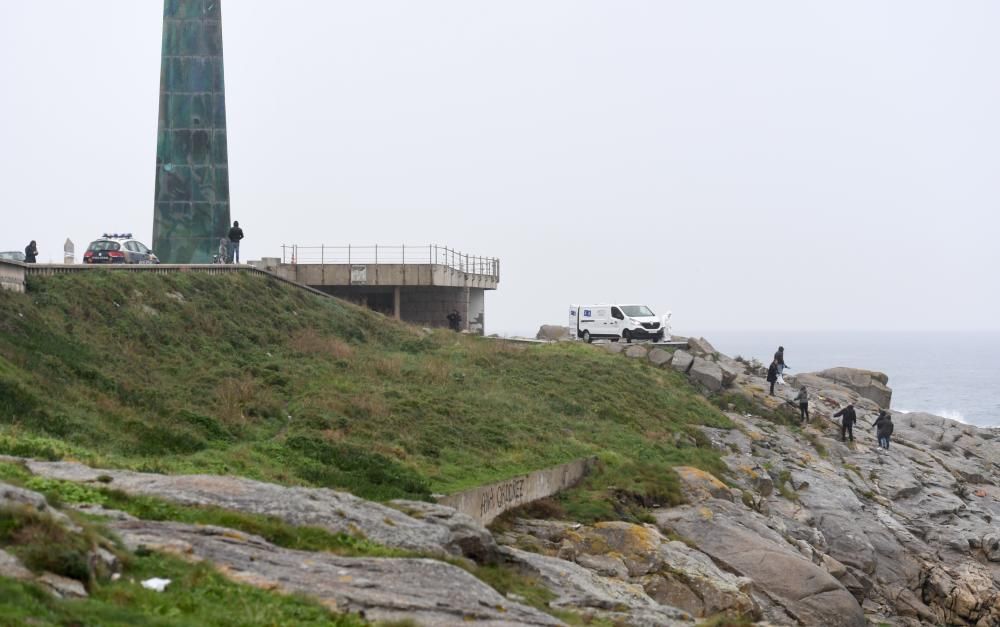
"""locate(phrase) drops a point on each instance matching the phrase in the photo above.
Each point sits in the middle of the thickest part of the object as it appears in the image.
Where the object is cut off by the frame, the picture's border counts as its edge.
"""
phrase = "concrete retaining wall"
(487, 502)
(11, 276)
(33, 270)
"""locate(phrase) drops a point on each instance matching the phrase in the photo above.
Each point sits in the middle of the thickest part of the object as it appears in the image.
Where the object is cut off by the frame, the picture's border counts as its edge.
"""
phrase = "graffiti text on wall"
(502, 496)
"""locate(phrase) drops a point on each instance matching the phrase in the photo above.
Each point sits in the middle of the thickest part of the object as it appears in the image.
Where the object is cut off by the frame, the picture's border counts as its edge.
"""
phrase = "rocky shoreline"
(806, 529)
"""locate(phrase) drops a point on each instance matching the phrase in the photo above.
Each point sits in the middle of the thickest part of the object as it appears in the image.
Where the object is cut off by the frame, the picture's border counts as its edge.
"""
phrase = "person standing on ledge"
(803, 399)
(31, 252)
(883, 429)
(235, 235)
(772, 375)
(779, 358)
(847, 417)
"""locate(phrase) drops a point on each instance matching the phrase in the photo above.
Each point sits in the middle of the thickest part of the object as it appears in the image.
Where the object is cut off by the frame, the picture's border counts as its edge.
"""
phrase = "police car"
(118, 248)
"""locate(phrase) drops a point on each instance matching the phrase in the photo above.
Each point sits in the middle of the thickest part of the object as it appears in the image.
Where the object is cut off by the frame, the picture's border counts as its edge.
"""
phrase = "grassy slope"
(245, 376)
(196, 596)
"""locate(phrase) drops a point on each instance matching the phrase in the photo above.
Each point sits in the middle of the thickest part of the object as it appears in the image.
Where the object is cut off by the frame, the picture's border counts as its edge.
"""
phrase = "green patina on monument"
(192, 165)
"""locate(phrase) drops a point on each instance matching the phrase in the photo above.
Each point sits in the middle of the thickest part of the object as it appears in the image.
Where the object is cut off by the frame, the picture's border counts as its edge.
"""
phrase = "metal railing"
(430, 254)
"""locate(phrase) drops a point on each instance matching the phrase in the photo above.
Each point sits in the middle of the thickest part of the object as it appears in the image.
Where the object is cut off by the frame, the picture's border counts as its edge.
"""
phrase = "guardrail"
(430, 254)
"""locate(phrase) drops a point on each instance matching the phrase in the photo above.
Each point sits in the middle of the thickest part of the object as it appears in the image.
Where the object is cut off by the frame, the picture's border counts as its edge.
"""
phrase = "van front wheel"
(586, 337)
(627, 336)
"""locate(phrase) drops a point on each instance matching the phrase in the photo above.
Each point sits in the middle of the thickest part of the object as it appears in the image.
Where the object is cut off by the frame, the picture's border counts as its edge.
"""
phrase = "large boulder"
(12, 568)
(660, 358)
(636, 352)
(701, 347)
(578, 588)
(731, 369)
(682, 361)
(740, 542)
(671, 573)
(62, 587)
(614, 347)
(869, 384)
(698, 485)
(552, 332)
(707, 373)
(467, 536)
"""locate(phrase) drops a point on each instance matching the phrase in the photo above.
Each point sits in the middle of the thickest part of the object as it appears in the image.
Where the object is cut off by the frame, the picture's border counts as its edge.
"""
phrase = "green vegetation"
(241, 375)
(816, 443)
(855, 469)
(42, 544)
(784, 415)
(784, 485)
(196, 596)
(46, 542)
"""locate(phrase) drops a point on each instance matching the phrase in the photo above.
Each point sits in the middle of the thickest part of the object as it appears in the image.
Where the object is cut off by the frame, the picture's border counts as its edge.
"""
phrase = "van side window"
(617, 313)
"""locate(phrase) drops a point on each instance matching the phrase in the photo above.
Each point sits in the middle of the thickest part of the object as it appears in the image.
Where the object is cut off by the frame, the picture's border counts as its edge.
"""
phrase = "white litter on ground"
(156, 584)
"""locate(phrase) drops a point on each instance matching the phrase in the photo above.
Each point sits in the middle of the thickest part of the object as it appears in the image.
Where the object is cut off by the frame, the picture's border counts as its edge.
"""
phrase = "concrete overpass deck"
(418, 284)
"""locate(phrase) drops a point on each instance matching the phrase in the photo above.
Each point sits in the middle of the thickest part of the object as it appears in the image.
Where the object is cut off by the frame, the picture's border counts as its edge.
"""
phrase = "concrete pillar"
(397, 308)
(465, 314)
(477, 311)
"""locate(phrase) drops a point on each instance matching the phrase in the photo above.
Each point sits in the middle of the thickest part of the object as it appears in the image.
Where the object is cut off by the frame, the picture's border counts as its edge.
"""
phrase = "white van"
(614, 322)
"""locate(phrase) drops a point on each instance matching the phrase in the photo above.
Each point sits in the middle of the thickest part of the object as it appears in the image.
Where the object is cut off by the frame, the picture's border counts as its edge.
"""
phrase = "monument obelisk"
(191, 210)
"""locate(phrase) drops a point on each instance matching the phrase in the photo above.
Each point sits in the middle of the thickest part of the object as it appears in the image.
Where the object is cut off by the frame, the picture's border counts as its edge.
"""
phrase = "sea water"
(955, 375)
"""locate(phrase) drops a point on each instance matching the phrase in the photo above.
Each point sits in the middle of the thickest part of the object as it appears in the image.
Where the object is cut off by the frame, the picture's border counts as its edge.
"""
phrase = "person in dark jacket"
(803, 399)
(235, 236)
(455, 320)
(772, 375)
(847, 417)
(779, 358)
(883, 429)
(31, 252)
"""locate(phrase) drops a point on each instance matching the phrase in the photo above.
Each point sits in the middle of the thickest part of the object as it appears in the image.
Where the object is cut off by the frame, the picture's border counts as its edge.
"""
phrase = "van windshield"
(637, 311)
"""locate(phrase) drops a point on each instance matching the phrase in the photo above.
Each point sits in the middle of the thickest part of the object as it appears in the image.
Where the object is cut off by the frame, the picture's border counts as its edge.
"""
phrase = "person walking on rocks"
(803, 399)
(779, 358)
(847, 417)
(883, 429)
(31, 252)
(235, 236)
(772, 375)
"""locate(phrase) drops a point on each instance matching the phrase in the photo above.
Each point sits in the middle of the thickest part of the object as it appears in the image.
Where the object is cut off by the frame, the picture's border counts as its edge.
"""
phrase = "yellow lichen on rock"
(698, 485)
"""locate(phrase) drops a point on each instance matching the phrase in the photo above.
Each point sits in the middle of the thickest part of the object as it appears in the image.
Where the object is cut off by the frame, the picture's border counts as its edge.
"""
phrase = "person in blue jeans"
(235, 235)
(883, 429)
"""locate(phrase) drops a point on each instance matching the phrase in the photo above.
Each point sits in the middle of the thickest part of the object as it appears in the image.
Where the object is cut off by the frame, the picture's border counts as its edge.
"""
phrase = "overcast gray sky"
(750, 165)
